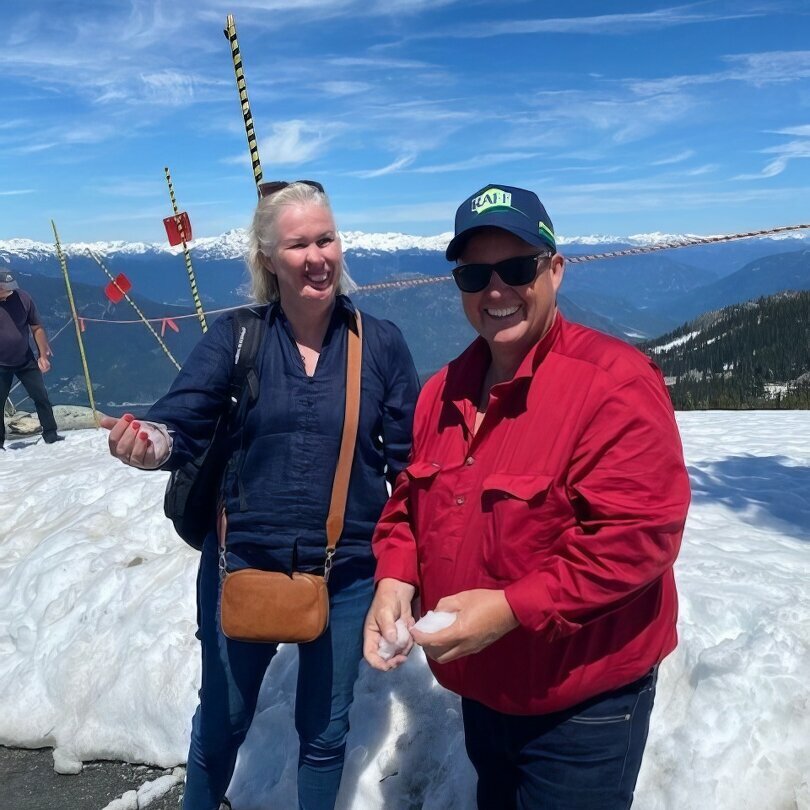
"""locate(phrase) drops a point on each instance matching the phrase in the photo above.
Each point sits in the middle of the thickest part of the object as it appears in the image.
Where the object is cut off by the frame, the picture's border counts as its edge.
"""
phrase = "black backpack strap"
(192, 494)
(248, 330)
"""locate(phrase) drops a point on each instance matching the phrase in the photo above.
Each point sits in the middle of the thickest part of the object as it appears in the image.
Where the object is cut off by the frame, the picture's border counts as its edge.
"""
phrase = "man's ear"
(557, 270)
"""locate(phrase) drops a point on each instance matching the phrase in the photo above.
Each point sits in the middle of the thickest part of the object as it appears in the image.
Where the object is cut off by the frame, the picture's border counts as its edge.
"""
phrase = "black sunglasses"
(267, 189)
(515, 272)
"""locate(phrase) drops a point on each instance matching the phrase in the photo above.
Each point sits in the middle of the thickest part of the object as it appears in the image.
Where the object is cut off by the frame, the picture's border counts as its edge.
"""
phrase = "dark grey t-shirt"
(18, 313)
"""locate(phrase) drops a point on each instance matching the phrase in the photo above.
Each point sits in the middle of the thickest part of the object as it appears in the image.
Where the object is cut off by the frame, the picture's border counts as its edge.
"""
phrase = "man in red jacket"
(544, 507)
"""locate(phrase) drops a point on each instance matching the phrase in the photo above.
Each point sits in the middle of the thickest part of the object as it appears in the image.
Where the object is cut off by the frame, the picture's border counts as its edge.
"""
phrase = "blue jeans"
(584, 758)
(232, 673)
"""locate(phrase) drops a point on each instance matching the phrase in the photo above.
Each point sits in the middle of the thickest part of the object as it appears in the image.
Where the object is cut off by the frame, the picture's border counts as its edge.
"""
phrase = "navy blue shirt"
(18, 313)
(278, 485)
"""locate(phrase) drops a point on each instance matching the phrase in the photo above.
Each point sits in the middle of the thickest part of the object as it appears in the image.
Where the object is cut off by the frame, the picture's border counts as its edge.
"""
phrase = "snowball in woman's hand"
(434, 620)
(388, 650)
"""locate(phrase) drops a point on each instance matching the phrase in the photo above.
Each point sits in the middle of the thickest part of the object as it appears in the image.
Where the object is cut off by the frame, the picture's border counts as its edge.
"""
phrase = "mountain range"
(634, 297)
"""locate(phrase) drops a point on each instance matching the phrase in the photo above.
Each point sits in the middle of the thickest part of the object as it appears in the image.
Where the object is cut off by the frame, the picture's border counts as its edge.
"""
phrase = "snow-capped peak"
(391, 241)
(233, 244)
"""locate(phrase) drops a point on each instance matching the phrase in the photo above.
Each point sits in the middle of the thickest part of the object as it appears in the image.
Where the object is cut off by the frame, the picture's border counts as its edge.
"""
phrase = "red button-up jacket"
(571, 497)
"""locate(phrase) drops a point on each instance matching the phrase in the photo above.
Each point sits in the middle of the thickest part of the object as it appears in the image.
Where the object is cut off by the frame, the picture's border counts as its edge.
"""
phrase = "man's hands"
(44, 362)
(392, 601)
(143, 445)
(483, 616)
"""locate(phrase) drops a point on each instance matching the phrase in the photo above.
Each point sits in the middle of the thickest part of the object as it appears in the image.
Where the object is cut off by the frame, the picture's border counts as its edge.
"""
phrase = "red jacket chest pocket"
(523, 515)
(421, 475)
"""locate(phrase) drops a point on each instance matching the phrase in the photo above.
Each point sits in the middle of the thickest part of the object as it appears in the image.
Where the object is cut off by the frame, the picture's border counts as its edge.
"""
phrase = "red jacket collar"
(465, 374)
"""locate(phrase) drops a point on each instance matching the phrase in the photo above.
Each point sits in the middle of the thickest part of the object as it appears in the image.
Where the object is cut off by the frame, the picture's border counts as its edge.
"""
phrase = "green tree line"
(738, 352)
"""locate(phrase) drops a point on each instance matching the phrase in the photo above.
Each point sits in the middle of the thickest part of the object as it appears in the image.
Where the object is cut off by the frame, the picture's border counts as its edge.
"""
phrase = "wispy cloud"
(398, 164)
(643, 198)
(379, 63)
(49, 138)
(757, 69)
(794, 150)
(33, 148)
(698, 171)
(168, 87)
(258, 11)
(602, 24)
(801, 132)
(678, 157)
(345, 88)
(293, 142)
(14, 123)
(477, 162)
(16, 192)
(625, 118)
(135, 66)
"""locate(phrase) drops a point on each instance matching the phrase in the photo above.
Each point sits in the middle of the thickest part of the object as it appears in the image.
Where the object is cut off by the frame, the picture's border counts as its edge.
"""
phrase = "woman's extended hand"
(392, 601)
(483, 616)
(139, 444)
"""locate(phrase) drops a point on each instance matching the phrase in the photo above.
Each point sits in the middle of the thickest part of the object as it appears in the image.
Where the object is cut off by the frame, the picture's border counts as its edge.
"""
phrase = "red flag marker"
(113, 292)
(170, 323)
(81, 324)
(172, 225)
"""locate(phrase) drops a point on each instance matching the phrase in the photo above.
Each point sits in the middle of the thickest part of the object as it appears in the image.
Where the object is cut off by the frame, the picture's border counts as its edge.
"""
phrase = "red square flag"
(116, 293)
(173, 227)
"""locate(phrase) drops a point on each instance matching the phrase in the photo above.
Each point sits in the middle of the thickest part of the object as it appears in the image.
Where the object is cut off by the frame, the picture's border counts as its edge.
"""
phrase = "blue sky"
(625, 117)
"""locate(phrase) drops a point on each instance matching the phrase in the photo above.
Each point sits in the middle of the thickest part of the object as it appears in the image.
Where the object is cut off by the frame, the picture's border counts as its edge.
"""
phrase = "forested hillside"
(751, 355)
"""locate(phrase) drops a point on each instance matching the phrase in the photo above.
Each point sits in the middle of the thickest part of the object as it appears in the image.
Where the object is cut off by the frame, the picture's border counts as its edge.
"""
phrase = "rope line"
(192, 280)
(420, 282)
(688, 242)
(137, 309)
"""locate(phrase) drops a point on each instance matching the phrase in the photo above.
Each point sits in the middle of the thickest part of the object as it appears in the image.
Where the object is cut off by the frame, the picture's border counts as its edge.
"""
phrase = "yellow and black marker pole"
(137, 309)
(192, 280)
(241, 86)
(75, 316)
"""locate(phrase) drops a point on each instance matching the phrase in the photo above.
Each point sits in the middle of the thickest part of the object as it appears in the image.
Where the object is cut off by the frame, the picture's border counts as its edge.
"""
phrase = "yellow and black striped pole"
(75, 316)
(192, 280)
(241, 86)
(137, 309)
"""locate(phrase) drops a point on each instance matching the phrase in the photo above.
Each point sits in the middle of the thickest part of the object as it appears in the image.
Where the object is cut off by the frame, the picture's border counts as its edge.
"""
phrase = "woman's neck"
(309, 322)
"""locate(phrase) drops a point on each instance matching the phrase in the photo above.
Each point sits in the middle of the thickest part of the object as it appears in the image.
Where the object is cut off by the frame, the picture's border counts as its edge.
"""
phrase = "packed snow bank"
(98, 656)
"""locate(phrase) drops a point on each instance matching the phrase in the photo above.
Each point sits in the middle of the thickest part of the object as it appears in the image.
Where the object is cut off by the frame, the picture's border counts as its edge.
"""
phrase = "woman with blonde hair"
(276, 487)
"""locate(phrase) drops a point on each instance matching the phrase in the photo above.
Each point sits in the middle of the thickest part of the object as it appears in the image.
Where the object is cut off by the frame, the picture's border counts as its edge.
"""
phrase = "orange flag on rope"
(173, 227)
(81, 324)
(171, 324)
(116, 293)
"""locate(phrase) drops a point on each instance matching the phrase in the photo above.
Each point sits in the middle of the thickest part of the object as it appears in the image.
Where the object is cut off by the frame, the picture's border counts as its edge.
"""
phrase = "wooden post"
(192, 280)
(75, 316)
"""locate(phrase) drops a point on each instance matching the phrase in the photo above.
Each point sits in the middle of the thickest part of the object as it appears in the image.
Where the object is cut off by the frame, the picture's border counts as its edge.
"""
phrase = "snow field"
(98, 656)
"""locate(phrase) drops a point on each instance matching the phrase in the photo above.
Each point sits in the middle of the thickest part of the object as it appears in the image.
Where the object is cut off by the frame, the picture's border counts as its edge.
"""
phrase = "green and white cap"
(513, 209)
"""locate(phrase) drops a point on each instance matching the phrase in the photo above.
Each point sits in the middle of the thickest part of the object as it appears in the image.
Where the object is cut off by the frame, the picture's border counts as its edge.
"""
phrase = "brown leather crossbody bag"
(271, 606)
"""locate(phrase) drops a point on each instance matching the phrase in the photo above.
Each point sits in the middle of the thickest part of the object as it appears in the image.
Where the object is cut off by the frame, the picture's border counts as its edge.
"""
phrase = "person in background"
(276, 494)
(18, 319)
(543, 506)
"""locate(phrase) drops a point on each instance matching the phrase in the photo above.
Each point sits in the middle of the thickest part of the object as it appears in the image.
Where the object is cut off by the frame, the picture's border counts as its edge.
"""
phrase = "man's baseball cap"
(7, 281)
(514, 209)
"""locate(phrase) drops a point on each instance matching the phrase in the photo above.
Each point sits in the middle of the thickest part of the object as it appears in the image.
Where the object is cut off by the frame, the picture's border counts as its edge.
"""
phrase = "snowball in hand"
(388, 650)
(434, 620)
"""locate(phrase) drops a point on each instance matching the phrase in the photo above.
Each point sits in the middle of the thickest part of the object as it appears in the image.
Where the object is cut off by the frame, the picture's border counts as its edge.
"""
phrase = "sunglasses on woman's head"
(515, 272)
(267, 189)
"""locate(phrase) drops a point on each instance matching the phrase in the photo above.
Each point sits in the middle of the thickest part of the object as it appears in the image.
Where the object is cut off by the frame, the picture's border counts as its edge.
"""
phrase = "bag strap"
(351, 418)
(248, 331)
